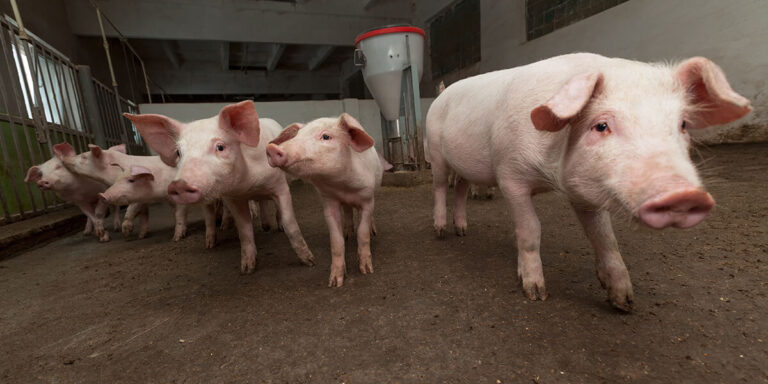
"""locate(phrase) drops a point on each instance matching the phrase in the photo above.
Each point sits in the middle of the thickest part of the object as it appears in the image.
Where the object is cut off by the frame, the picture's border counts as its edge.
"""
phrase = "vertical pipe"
(90, 103)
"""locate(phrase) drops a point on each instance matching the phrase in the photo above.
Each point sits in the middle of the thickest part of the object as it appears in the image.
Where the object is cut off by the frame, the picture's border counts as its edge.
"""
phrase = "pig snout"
(183, 193)
(681, 208)
(44, 184)
(276, 156)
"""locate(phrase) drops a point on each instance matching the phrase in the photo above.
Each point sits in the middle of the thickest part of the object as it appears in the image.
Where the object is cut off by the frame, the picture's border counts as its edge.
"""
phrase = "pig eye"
(131, 180)
(325, 136)
(601, 127)
(178, 153)
(220, 147)
(682, 126)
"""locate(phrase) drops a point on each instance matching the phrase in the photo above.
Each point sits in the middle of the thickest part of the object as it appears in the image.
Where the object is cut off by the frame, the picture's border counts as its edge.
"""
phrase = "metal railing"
(41, 104)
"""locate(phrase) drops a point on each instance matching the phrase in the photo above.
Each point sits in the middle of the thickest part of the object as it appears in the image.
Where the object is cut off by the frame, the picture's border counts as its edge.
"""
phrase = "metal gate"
(41, 104)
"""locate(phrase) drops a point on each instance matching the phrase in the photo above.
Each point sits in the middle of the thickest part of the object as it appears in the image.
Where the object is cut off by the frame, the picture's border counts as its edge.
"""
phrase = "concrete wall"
(287, 112)
(734, 34)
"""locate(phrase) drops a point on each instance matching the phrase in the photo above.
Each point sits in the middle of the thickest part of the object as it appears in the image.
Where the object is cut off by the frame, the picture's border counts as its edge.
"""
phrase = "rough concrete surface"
(450, 310)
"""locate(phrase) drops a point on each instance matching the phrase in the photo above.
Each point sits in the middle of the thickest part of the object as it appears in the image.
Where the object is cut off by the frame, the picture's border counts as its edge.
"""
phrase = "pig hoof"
(337, 276)
(280, 228)
(440, 231)
(308, 260)
(210, 241)
(104, 237)
(366, 265)
(621, 297)
(535, 290)
(461, 230)
(247, 268)
(224, 225)
(127, 228)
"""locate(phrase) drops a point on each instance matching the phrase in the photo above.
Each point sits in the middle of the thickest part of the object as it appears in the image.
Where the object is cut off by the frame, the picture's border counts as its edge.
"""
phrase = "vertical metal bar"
(81, 103)
(128, 69)
(20, 106)
(67, 103)
(42, 63)
(6, 210)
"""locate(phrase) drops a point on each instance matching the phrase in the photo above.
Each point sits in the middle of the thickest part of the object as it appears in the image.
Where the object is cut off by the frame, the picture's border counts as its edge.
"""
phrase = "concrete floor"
(434, 311)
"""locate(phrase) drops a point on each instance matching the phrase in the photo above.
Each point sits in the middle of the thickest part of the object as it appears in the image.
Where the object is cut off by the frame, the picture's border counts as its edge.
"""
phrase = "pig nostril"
(191, 190)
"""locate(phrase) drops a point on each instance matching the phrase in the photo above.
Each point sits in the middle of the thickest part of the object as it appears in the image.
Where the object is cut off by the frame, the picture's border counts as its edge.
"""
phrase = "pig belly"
(471, 159)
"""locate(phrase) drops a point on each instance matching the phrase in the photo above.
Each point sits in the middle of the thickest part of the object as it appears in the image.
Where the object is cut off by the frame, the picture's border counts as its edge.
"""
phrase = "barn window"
(545, 16)
(454, 37)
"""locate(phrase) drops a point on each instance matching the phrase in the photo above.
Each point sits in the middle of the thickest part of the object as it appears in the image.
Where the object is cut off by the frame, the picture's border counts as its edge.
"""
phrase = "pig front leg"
(100, 211)
(114, 210)
(180, 214)
(266, 224)
(291, 227)
(528, 234)
(130, 214)
(226, 218)
(241, 212)
(440, 173)
(209, 211)
(88, 226)
(611, 271)
(460, 207)
(332, 213)
(349, 222)
(364, 238)
(144, 219)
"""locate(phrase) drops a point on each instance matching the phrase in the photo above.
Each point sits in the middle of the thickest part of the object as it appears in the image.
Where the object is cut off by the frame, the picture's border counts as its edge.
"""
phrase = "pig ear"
(242, 120)
(567, 102)
(139, 172)
(33, 174)
(160, 132)
(63, 150)
(288, 133)
(118, 148)
(359, 139)
(713, 99)
(95, 150)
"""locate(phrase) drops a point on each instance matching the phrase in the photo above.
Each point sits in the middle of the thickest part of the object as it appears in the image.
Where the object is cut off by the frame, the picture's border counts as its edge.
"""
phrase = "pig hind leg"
(528, 234)
(114, 211)
(226, 218)
(244, 223)
(349, 222)
(88, 226)
(209, 211)
(440, 173)
(266, 223)
(180, 214)
(288, 221)
(144, 219)
(611, 271)
(460, 207)
(364, 238)
(100, 212)
(332, 214)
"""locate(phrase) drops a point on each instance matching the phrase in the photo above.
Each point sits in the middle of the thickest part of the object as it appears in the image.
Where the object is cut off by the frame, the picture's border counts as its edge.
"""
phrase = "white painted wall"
(734, 34)
(287, 112)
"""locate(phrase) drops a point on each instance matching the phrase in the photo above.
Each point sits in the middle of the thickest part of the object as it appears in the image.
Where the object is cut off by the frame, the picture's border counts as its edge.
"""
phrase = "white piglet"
(337, 156)
(225, 157)
(610, 134)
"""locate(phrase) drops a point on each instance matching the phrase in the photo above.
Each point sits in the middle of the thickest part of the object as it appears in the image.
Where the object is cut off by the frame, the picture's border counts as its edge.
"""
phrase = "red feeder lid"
(389, 29)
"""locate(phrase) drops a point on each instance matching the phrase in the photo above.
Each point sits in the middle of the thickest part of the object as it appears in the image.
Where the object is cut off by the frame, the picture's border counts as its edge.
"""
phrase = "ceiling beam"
(173, 56)
(320, 56)
(204, 81)
(328, 22)
(274, 56)
(224, 56)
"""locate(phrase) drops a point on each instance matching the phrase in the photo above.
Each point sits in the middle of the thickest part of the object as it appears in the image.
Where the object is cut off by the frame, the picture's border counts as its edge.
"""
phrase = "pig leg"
(100, 211)
(349, 222)
(440, 173)
(88, 226)
(291, 227)
(332, 213)
(474, 191)
(226, 218)
(253, 205)
(279, 220)
(130, 214)
(244, 223)
(373, 226)
(115, 212)
(460, 207)
(209, 211)
(266, 225)
(611, 271)
(364, 238)
(528, 234)
(144, 218)
(180, 213)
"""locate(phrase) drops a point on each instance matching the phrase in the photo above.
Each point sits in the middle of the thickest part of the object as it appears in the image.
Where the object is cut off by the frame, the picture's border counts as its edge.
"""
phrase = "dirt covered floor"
(450, 310)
